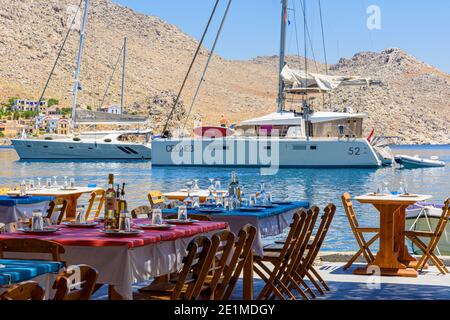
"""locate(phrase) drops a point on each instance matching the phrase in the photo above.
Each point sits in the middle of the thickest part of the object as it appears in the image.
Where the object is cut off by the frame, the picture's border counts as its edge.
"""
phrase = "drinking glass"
(48, 183)
(80, 214)
(157, 217)
(211, 180)
(196, 187)
(252, 200)
(210, 199)
(386, 188)
(55, 181)
(66, 182)
(72, 183)
(188, 201)
(39, 185)
(269, 197)
(37, 222)
(217, 185)
(245, 202)
(182, 213)
(196, 203)
(31, 184)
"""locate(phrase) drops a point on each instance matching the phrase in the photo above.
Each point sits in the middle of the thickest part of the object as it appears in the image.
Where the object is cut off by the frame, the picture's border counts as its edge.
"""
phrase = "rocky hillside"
(413, 101)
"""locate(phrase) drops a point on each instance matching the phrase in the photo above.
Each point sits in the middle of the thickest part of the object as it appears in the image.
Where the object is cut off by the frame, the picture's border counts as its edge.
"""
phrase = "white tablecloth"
(10, 214)
(121, 266)
(266, 227)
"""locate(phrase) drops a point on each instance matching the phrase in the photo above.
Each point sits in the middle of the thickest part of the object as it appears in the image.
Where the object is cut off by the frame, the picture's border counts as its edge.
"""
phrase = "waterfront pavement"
(430, 285)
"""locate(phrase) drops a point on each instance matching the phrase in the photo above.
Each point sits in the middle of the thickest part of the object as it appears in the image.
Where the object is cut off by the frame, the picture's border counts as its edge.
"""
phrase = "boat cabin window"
(312, 147)
(299, 147)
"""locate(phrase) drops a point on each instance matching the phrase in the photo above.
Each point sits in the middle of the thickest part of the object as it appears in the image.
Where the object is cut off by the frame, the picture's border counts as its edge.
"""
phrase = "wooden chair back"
(273, 280)
(156, 198)
(76, 283)
(57, 208)
(242, 251)
(195, 266)
(199, 217)
(222, 245)
(95, 204)
(320, 236)
(4, 191)
(136, 212)
(29, 290)
(350, 212)
(24, 245)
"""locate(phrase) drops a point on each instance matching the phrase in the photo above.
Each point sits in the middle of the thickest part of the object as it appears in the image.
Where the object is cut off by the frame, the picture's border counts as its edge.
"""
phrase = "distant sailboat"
(88, 145)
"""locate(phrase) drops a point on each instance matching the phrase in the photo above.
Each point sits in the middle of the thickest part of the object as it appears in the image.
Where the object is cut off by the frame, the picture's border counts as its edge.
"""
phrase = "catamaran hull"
(264, 153)
(65, 150)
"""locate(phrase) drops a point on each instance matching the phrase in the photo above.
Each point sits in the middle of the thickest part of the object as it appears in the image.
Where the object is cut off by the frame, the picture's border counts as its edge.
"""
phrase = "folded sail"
(299, 81)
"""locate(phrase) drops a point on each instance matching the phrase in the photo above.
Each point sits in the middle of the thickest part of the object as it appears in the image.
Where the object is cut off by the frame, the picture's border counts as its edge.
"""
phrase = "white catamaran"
(284, 138)
(111, 145)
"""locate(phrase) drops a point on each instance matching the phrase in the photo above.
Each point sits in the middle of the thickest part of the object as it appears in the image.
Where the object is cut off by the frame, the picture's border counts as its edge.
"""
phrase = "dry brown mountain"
(413, 102)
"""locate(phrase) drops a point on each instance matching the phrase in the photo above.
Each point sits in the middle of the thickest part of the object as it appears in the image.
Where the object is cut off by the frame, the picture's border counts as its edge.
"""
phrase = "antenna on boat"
(282, 54)
(77, 72)
(122, 97)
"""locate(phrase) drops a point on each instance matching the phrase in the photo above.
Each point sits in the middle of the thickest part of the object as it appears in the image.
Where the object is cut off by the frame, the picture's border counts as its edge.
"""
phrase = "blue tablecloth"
(8, 201)
(259, 215)
(16, 271)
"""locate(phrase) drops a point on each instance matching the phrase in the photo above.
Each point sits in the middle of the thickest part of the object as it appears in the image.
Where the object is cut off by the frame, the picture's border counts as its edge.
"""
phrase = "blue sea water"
(319, 186)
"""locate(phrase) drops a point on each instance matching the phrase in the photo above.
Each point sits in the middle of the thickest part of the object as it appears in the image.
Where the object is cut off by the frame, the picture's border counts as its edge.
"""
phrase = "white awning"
(299, 80)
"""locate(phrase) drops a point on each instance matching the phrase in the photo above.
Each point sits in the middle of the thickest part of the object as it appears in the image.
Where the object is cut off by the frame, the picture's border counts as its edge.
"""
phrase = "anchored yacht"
(286, 138)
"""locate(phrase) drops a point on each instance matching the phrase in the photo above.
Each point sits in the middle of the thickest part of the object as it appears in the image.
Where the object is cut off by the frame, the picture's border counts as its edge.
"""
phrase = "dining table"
(123, 261)
(70, 194)
(182, 194)
(393, 257)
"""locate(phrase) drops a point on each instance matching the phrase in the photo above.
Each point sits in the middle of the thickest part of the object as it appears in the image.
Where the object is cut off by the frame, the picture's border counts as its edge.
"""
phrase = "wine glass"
(55, 181)
(39, 185)
(66, 182)
(72, 183)
(386, 188)
(211, 180)
(31, 184)
(48, 183)
(217, 185)
(210, 199)
(196, 187)
(188, 200)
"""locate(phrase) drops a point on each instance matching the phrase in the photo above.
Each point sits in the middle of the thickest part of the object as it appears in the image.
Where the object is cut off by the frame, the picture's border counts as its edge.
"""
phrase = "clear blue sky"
(419, 27)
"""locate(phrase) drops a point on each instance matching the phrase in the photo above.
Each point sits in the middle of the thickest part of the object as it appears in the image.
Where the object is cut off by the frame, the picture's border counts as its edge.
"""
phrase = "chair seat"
(419, 234)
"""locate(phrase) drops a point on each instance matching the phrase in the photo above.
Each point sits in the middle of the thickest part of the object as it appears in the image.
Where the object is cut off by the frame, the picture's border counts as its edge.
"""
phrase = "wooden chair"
(24, 245)
(135, 213)
(4, 191)
(195, 269)
(434, 238)
(232, 271)
(57, 207)
(95, 204)
(157, 199)
(358, 232)
(76, 283)
(305, 266)
(199, 217)
(274, 286)
(28, 290)
(222, 245)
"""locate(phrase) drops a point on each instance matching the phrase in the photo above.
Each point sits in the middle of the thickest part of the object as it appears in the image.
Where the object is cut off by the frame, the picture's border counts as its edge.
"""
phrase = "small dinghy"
(424, 217)
(409, 162)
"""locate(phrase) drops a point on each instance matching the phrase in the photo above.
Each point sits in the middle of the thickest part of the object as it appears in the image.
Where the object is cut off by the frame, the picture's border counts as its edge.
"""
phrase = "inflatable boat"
(409, 162)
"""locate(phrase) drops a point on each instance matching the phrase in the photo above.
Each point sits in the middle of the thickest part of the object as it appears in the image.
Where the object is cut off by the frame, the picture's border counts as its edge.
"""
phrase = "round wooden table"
(393, 258)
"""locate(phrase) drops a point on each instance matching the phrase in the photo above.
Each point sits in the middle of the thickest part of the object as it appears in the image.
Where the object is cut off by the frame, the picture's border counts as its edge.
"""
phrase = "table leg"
(72, 201)
(248, 278)
(400, 245)
(387, 258)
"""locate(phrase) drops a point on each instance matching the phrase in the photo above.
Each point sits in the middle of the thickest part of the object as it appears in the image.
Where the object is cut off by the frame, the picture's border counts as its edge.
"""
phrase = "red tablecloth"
(93, 238)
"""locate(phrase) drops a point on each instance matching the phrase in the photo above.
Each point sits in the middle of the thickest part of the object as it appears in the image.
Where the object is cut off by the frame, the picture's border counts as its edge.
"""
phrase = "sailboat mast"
(122, 97)
(282, 54)
(77, 72)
